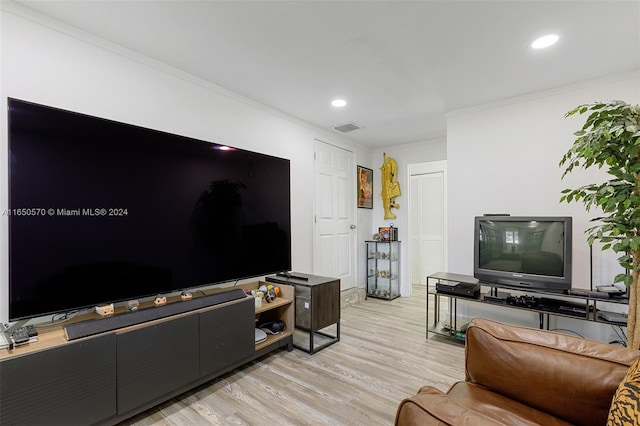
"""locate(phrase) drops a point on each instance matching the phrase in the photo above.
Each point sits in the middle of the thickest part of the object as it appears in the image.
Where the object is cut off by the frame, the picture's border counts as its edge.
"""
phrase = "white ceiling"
(401, 65)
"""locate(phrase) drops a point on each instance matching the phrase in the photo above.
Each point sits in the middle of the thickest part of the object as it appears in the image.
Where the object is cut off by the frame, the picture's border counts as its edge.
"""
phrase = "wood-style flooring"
(382, 357)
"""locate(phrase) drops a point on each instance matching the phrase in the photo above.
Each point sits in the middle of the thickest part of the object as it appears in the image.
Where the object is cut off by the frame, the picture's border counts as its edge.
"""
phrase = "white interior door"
(427, 220)
(334, 235)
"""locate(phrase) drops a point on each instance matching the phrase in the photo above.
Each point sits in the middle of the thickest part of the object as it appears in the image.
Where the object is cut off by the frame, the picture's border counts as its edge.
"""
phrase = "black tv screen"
(102, 211)
(520, 252)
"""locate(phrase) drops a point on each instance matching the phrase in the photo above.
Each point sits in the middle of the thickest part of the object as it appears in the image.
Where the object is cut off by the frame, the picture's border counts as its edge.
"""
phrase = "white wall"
(503, 158)
(47, 62)
(414, 153)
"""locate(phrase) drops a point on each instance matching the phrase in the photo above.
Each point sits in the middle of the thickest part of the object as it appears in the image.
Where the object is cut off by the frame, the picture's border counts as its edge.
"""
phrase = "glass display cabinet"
(383, 269)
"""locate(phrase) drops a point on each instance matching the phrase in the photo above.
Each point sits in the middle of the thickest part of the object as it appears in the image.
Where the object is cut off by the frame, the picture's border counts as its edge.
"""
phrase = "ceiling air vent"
(347, 127)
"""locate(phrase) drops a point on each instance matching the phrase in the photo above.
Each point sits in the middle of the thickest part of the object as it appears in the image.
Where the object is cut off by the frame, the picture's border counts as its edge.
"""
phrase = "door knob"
(353, 227)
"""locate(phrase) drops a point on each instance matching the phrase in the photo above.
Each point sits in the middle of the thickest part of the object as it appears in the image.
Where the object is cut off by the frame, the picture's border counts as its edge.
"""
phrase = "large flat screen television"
(102, 211)
(532, 253)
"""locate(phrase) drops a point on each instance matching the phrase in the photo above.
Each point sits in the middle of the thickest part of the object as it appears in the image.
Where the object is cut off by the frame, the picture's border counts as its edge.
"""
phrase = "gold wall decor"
(390, 186)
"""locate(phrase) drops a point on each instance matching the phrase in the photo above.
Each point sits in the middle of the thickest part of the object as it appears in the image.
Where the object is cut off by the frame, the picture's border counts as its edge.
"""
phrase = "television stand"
(106, 378)
(445, 322)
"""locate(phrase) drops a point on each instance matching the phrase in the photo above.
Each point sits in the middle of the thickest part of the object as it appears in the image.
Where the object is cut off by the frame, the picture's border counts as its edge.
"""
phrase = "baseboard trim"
(351, 296)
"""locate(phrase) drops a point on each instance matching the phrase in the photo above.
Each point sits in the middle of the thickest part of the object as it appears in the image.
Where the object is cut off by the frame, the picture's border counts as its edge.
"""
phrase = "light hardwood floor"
(382, 357)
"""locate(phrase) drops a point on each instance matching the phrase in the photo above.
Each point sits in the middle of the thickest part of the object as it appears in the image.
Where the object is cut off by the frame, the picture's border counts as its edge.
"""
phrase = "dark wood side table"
(317, 310)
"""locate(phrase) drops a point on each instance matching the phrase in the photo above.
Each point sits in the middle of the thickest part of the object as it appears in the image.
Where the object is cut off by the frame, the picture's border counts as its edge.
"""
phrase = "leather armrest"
(558, 374)
(433, 407)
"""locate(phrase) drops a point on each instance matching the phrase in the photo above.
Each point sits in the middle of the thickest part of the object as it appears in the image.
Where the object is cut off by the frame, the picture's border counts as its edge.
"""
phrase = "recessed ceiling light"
(544, 41)
(338, 103)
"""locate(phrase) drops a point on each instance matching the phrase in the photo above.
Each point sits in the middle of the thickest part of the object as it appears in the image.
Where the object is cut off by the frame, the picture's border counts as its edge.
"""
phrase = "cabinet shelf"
(281, 309)
(273, 338)
(280, 301)
(284, 303)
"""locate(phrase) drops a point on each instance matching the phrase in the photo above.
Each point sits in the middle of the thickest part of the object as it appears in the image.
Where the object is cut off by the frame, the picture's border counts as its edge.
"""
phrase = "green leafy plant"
(610, 138)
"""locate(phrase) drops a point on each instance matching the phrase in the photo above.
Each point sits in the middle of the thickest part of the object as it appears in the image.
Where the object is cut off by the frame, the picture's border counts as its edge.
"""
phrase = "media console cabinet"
(452, 328)
(109, 377)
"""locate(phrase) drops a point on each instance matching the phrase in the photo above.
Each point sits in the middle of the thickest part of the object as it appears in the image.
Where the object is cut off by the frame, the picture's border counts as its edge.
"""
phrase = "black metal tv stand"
(546, 304)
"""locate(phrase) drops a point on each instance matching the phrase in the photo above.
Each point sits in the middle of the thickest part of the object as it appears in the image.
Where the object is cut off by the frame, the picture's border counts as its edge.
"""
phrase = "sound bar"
(127, 319)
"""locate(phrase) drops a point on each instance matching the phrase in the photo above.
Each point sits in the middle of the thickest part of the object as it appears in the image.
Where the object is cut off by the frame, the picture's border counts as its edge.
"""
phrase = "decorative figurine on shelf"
(270, 294)
(390, 186)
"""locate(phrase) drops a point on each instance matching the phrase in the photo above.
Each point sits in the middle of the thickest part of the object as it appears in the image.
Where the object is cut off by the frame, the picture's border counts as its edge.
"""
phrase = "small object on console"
(20, 336)
(588, 293)
(270, 295)
(133, 305)
(105, 309)
(523, 301)
(458, 288)
(261, 336)
(31, 329)
(496, 297)
(609, 289)
(291, 277)
(160, 300)
(185, 295)
(274, 327)
(613, 317)
(563, 307)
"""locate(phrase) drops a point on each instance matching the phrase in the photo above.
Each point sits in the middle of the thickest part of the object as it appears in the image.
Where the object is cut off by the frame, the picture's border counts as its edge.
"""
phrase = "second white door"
(334, 235)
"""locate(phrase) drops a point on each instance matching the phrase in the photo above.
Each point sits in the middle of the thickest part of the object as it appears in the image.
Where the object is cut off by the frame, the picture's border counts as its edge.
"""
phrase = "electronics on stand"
(616, 317)
(611, 290)
(541, 303)
(261, 336)
(563, 307)
(458, 288)
(588, 293)
(523, 301)
(496, 296)
(528, 253)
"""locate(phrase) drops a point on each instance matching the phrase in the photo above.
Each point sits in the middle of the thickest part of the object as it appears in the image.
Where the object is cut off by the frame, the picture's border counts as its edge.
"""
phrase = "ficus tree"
(610, 139)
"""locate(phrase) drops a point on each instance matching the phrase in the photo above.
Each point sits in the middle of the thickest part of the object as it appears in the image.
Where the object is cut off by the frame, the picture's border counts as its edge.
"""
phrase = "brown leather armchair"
(524, 376)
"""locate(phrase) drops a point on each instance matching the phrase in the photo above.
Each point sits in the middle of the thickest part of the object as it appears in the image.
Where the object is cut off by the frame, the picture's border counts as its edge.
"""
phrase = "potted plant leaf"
(610, 139)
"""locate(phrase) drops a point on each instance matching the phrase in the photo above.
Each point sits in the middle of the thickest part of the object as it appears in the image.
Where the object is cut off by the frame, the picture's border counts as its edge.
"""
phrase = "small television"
(528, 253)
(102, 211)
